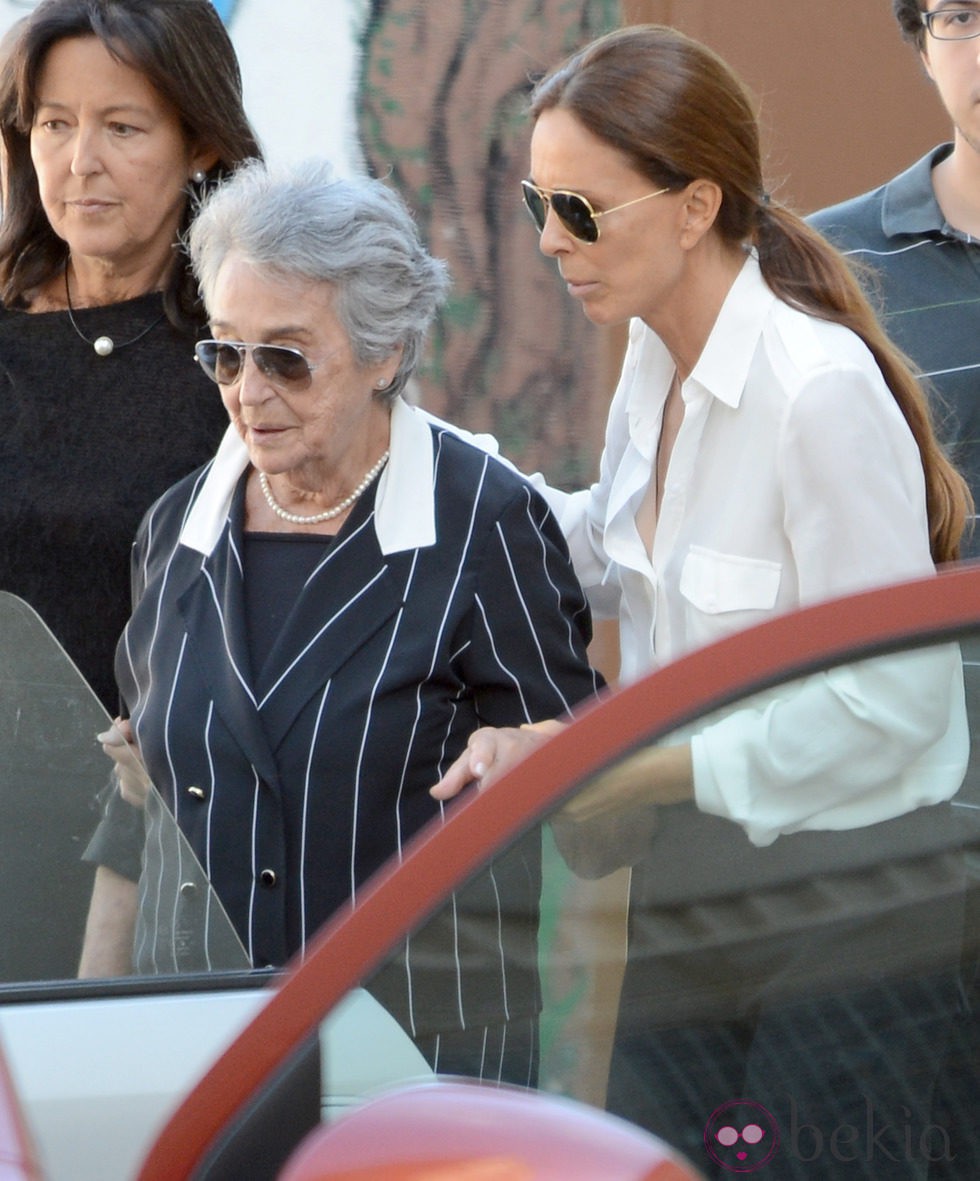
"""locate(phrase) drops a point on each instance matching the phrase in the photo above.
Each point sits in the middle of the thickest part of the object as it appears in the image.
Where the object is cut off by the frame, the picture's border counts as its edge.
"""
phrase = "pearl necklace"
(328, 514)
(104, 345)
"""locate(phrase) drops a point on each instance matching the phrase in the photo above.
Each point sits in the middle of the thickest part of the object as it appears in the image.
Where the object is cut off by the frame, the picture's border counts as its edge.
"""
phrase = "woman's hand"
(120, 745)
(489, 753)
(610, 823)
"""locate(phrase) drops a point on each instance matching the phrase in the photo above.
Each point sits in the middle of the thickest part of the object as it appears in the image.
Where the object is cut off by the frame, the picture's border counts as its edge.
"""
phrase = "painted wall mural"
(432, 96)
(441, 106)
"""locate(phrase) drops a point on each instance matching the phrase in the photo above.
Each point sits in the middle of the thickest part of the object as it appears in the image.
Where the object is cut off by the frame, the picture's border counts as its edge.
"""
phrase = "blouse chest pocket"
(726, 592)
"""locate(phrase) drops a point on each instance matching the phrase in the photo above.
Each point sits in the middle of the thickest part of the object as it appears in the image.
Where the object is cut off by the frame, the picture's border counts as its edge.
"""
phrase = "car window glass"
(55, 781)
(811, 991)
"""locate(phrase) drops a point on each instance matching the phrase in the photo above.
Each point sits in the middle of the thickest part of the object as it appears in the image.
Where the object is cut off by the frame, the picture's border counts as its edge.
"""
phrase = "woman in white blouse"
(766, 448)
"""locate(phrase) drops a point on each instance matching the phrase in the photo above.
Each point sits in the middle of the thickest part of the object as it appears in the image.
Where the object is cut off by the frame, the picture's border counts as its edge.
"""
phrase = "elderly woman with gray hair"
(325, 613)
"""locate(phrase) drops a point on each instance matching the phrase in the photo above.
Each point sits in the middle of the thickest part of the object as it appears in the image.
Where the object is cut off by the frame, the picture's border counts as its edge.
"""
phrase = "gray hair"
(357, 235)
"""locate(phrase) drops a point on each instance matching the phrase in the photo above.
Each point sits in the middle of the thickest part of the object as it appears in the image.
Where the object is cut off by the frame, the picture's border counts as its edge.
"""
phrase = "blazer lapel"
(213, 611)
(350, 596)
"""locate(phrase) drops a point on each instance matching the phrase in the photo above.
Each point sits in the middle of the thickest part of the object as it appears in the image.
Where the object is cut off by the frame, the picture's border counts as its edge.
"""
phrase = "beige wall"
(843, 100)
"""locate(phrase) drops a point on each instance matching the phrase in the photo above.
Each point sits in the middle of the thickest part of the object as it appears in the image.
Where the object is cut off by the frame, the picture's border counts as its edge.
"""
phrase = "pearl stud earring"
(199, 176)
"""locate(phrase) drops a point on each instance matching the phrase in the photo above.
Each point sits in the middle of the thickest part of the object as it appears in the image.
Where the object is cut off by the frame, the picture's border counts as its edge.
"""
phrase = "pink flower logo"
(741, 1136)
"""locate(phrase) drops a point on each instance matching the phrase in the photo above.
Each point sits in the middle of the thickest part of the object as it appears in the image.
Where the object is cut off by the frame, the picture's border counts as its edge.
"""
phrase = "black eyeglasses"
(953, 24)
(224, 360)
(573, 210)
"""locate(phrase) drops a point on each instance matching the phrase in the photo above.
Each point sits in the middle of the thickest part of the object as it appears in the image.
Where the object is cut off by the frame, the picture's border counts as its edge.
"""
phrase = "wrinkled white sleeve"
(873, 740)
(854, 746)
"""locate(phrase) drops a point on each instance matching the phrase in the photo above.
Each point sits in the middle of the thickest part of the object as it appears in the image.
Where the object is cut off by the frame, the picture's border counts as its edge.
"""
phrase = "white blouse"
(793, 479)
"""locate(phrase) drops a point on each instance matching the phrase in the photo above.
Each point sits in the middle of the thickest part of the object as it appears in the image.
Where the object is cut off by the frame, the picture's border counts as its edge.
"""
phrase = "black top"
(276, 568)
(87, 443)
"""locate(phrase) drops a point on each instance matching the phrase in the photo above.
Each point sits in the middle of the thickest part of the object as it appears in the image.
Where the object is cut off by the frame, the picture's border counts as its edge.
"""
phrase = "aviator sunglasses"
(224, 360)
(573, 210)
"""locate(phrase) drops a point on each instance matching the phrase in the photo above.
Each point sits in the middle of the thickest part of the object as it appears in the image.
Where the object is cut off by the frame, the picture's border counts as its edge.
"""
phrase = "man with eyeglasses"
(920, 234)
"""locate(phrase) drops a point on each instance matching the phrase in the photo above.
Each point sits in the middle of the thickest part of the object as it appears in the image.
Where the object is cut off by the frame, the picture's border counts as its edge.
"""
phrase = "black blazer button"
(268, 878)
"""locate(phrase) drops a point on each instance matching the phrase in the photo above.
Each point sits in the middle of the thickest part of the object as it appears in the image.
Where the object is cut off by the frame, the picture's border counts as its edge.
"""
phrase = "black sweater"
(87, 443)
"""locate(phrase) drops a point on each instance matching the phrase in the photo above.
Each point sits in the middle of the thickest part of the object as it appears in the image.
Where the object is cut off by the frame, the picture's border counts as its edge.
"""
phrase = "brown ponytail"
(803, 269)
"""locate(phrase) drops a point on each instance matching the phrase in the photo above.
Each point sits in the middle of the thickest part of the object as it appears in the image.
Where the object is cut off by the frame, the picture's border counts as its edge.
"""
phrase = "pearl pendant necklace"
(328, 514)
(103, 345)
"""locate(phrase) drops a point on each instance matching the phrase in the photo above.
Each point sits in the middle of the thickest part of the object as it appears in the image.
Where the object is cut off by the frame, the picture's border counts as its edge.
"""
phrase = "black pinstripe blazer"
(294, 785)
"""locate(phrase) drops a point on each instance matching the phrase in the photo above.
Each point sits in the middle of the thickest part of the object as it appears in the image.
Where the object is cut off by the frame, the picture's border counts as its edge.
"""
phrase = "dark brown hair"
(676, 111)
(182, 48)
(908, 13)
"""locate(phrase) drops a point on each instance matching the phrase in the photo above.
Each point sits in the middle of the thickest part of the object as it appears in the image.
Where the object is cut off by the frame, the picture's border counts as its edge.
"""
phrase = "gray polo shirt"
(925, 278)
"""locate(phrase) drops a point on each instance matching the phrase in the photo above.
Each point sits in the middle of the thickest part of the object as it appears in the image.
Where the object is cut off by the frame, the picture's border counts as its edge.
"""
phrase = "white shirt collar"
(404, 514)
(723, 367)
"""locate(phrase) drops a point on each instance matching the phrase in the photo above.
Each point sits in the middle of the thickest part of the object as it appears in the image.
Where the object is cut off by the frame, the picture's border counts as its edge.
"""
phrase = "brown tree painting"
(441, 111)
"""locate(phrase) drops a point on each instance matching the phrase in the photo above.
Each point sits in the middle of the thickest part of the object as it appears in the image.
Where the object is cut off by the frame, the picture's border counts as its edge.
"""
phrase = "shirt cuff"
(117, 843)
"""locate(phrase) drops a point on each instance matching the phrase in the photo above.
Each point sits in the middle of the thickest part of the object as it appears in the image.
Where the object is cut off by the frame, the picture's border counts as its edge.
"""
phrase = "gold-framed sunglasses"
(224, 360)
(574, 211)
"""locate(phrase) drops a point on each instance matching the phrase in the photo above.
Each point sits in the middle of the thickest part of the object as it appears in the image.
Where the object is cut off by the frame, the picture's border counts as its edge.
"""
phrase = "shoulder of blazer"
(462, 468)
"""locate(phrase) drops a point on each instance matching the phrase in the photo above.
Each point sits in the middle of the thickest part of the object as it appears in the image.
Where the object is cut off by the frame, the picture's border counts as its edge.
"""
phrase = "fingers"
(455, 779)
(113, 737)
(489, 754)
(470, 767)
(134, 787)
(119, 745)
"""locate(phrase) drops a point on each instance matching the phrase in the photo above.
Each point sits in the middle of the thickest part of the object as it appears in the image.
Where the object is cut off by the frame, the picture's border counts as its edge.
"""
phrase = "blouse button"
(188, 889)
(268, 878)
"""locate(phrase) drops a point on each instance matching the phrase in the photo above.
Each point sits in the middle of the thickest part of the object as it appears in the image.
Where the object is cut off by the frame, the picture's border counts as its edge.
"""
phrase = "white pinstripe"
(257, 787)
(212, 788)
(359, 770)
(306, 804)
(551, 582)
(232, 663)
(500, 943)
(527, 616)
(410, 745)
(329, 623)
(514, 679)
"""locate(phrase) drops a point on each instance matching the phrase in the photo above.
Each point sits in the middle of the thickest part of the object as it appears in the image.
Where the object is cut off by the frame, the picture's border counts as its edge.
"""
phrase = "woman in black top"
(115, 117)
